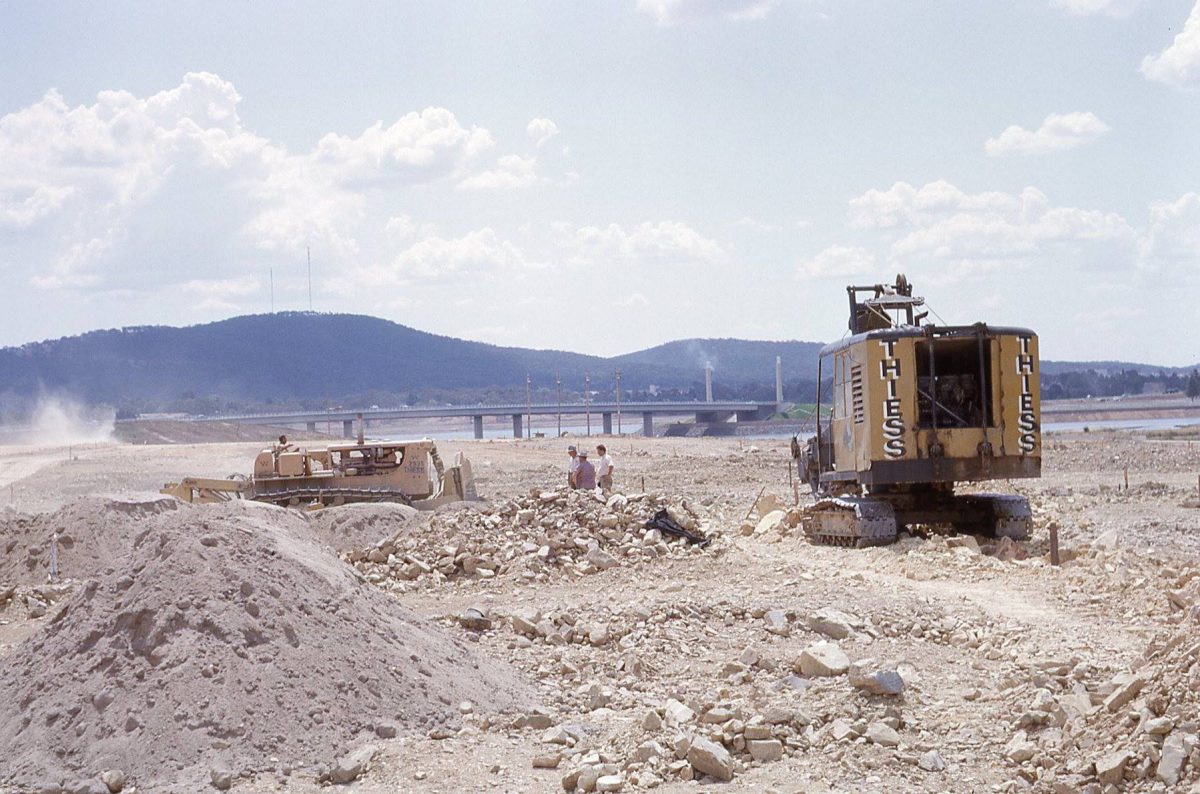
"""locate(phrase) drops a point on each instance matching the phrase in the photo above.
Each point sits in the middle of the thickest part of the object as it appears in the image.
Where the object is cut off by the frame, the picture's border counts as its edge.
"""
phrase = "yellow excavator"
(907, 411)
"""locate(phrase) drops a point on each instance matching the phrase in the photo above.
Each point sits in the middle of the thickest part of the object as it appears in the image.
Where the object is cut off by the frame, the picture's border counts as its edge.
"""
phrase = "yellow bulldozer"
(907, 410)
(410, 472)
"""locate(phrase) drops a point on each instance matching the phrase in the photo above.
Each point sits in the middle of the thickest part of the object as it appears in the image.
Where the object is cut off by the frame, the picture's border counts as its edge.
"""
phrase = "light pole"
(558, 390)
(528, 407)
(587, 401)
(618, 402)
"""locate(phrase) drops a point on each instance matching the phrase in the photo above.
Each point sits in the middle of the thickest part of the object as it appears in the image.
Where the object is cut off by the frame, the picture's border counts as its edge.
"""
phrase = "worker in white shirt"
(572, 467)
(604, 468)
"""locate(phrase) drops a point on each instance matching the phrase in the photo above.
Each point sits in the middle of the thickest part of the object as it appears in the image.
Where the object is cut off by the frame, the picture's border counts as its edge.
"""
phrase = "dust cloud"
(58, 421)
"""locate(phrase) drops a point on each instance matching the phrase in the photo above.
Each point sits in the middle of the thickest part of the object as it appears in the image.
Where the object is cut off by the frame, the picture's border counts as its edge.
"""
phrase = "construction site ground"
(622, 659)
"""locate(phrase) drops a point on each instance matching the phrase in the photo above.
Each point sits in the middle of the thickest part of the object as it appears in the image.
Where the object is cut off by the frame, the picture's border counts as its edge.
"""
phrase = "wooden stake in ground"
(754, 504)
(1126, 478)
(1054, 560)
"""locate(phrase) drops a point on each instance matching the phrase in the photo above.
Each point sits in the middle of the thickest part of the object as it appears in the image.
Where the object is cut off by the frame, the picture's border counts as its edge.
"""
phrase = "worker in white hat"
(573, 466)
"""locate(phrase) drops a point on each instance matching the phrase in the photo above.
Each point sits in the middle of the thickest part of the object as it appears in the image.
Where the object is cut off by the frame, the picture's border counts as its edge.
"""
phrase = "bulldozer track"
(328, 496)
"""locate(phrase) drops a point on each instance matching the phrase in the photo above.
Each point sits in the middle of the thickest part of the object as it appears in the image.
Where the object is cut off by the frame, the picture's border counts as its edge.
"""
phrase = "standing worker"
(572, 467)
(604, 468)
(585, 475)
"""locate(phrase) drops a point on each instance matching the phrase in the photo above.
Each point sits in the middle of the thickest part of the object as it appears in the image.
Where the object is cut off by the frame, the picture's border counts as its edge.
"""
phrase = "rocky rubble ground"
(627, 711)
(758, 663)
(544, 535)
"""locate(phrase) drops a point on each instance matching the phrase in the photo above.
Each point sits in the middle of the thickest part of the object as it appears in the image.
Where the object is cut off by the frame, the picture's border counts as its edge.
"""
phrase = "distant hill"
(1109, 367)
(300, 355)
(733, 360)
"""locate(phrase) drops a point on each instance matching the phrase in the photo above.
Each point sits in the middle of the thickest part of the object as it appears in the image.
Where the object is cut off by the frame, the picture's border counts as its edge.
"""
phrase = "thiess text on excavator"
(915, 409)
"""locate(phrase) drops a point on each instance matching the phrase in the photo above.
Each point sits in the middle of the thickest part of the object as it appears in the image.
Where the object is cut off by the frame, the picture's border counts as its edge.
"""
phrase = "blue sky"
(602, 177)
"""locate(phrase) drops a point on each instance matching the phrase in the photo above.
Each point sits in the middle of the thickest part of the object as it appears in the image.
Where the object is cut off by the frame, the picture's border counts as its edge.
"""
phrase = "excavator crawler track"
(1006, 515)
(855, 521)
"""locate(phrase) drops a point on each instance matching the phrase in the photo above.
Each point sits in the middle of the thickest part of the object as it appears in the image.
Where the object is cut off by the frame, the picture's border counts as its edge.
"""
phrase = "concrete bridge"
(705, 412)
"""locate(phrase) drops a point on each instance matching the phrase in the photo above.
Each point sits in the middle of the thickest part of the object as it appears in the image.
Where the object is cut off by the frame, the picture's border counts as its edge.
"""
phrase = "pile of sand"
(355, 526)
(92, 533)
(222, 639)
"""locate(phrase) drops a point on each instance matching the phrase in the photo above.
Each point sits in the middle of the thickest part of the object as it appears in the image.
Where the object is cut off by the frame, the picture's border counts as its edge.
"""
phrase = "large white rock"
(823, 659)
(350, 767)
(776, 622)
(1111, 768)
(677, 712)
(1127, 689)
(1020, 749)
(932, 761)
(765, 749)
(1175, 751)
(867, 675)
(771, 522)
(600, 558)
(610, 783)
(710, 758)
(831, 623)
(882, 734)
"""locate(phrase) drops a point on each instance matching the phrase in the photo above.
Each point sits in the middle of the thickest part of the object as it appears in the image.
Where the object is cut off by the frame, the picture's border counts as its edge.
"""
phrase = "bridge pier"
(478, 422)
(311, 426)
(607, 423)
(517, 428)
(347, 428)
(648, 424)
(712, 417)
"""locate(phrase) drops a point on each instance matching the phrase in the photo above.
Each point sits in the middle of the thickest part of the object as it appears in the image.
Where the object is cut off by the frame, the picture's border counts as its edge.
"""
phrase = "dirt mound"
(92, 533)
(354, 526)
(225, 642)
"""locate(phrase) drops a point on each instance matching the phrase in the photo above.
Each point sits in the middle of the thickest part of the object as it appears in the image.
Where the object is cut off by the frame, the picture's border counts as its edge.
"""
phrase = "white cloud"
(132, 195)
(405, 227)
(838, 260)
(754, 224)
(663, 242)
(1059, 132)
(980, 232)
(1179, 63)
(235, 287)
(223, 295)
(670, 12)
(905, 204)
(22, 203)
(1109, 8)
(541, 130)
(478, 253)
(419, 147)
(511, 171)
(635, 300)
(1171, 241)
